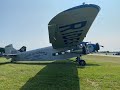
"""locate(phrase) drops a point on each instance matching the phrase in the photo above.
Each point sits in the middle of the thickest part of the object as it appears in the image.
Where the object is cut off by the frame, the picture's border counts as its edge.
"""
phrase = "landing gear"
(80, 62)
(11, 61)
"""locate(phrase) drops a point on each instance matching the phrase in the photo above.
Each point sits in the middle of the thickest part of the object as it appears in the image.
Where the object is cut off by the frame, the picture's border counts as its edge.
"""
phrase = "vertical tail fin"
(22, 49)
(10, 50)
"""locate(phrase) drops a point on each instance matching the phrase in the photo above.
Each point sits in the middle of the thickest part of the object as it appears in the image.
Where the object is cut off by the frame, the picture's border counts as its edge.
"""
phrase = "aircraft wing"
(70, 27)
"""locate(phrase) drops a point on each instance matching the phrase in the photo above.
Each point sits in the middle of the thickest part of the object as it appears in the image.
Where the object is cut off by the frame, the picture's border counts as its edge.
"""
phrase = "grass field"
(101, 73)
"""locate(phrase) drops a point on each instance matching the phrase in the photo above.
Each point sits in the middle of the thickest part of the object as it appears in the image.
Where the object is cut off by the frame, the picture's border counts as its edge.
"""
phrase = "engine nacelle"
(86, 48)
(93, 47)
(80, 49)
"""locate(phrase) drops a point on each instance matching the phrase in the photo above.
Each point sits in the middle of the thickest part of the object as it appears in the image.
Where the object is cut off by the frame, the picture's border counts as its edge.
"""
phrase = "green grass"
(101, 73)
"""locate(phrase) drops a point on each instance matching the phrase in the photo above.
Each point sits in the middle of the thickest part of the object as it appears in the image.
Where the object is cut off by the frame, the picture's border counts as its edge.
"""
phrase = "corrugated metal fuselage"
(44, 54)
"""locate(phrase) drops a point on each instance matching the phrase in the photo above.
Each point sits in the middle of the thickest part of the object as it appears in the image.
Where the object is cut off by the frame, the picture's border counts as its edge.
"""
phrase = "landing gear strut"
(80, 61)
(11, 61)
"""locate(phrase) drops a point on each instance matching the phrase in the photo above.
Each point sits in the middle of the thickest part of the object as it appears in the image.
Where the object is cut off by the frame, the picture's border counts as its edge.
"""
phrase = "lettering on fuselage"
(36, 55)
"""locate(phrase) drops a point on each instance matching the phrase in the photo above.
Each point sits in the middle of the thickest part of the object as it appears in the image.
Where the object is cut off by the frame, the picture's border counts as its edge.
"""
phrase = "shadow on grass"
(88, 65)
(3, 63)
(34, 62)
(55, 76)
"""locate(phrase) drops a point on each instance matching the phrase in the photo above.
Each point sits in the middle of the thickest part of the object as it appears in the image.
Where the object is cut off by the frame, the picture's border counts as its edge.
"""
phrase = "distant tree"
(2, 50)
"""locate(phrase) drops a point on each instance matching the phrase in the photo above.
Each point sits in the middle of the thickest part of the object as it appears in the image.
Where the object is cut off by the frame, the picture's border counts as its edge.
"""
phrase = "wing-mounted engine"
(80, 49)
(94, 47)
(86, 48)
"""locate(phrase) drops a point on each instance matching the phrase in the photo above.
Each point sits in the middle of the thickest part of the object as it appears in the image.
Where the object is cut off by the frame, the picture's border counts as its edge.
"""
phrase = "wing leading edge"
(70, 27)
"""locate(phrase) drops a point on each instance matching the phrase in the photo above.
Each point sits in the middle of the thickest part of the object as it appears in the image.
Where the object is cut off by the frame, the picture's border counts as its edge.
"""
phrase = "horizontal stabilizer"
(10, 50)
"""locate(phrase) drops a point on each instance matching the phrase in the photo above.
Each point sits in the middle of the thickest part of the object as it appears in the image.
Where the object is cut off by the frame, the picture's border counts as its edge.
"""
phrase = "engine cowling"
(93, 47)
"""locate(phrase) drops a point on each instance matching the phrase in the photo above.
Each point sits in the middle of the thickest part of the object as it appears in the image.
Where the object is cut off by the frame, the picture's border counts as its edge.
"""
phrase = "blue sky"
(25, 22)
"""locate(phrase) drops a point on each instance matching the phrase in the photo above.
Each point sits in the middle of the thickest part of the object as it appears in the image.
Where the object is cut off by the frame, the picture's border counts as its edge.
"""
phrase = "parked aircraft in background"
(67, 31)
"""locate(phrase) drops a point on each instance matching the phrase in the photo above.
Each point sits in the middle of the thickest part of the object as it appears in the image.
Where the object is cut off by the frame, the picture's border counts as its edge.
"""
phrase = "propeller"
(98, 47)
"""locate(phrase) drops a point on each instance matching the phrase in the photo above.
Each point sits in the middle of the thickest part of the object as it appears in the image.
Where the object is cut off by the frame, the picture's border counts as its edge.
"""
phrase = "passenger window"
(55, 54)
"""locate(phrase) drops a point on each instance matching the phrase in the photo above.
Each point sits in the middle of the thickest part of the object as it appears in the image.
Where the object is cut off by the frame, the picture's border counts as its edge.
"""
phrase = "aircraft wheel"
(82, 63)
(77, 59)
(11, 61)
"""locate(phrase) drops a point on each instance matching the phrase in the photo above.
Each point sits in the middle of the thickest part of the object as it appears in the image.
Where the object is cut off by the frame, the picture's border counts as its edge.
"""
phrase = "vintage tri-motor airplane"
(66, 33)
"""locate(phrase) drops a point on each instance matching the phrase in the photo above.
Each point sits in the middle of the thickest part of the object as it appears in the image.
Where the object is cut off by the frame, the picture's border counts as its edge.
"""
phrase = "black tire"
(11, 61)
(76, 59)
(82, 63)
